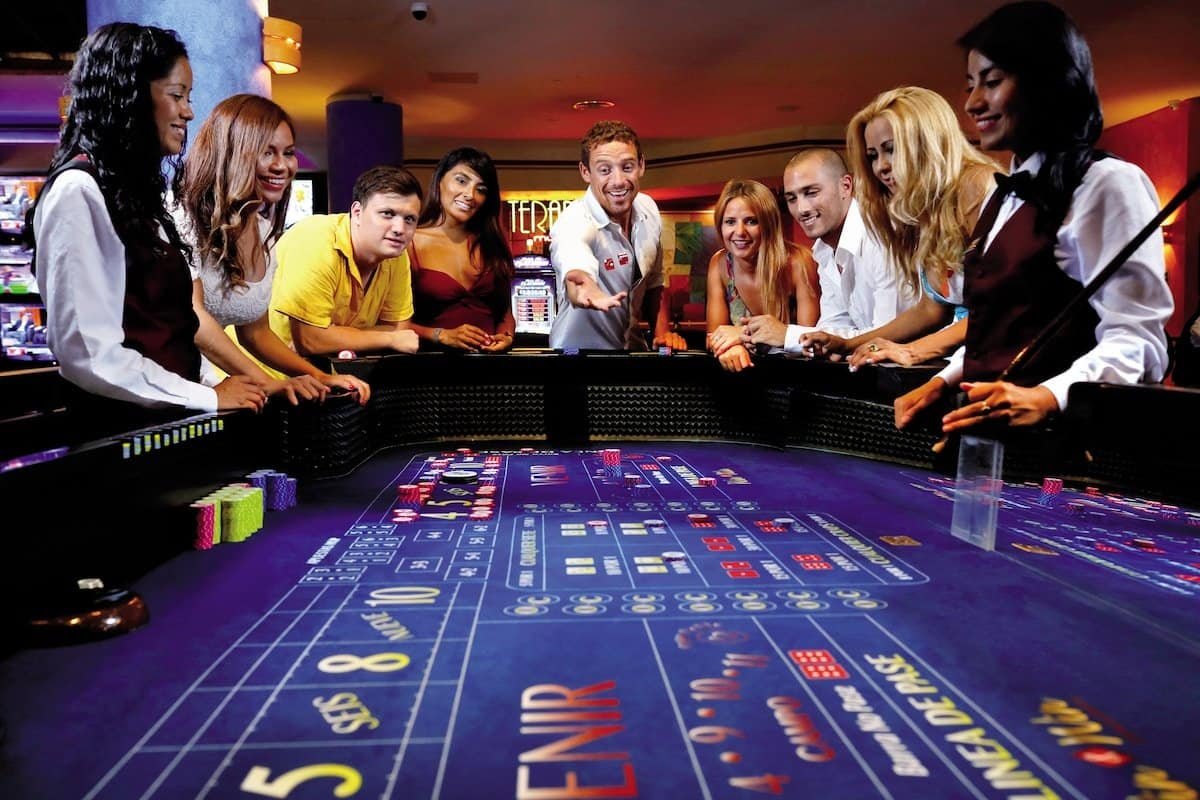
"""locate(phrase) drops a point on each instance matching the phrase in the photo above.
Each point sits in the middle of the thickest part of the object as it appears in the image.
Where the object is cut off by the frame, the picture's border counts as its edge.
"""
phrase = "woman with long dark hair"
(1046, 232)
(461, 265)
(111, 265)
(232, 202)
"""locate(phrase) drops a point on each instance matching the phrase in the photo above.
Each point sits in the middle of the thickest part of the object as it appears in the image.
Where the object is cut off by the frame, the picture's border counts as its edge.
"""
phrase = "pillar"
(360, 133)
(223, 40)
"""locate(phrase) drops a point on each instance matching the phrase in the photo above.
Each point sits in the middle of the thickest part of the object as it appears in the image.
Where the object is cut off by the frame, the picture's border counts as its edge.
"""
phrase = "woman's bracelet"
(437, 335)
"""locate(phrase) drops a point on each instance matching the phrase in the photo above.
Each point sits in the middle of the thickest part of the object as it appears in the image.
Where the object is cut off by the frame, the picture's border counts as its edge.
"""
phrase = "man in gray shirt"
(607, 252)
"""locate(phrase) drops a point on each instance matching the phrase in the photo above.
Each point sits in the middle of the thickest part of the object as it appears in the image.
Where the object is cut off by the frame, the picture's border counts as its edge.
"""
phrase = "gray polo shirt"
(584, 238)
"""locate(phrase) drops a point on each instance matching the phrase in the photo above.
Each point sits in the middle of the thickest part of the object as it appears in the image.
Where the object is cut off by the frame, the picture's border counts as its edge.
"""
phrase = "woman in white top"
(1046, 233)
(232, 200)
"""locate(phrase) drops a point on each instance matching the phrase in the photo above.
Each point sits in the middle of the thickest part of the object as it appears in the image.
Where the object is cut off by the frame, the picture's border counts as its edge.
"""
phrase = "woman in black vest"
(110, 263)
(1046, 232)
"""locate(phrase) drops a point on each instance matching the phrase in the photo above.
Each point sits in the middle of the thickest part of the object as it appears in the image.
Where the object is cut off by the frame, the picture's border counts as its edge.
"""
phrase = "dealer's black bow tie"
(1019, 183)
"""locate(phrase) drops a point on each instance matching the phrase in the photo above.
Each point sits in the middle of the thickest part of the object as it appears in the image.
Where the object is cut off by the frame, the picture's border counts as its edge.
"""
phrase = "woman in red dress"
(461, 265)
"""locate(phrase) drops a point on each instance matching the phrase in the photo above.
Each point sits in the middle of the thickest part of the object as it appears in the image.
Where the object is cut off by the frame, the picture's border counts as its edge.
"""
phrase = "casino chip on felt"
(460, 476)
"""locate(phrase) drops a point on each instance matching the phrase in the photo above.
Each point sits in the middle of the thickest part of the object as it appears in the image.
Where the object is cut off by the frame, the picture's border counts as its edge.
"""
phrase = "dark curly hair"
(487, 238)
(111, 122)
(1040, 46)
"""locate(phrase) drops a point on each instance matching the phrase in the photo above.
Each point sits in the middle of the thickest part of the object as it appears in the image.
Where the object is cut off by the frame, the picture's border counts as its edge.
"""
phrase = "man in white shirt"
(859, 290)
(607, 252)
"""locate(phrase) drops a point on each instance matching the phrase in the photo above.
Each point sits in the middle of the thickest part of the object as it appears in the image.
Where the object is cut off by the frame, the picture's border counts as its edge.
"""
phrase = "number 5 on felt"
(258, 780)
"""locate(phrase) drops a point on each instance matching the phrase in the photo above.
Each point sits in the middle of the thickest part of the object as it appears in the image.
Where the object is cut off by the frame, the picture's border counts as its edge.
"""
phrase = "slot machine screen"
(533, 302)
(309, 196)
(23, 334)
(17, 193)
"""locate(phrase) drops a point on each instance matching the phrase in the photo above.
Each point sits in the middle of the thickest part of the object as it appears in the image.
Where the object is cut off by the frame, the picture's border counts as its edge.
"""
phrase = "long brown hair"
(217, 190)
(773, 266)
(926, 222)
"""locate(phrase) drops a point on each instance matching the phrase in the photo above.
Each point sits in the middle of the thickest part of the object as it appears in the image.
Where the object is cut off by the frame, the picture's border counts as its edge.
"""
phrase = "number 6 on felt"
(258, 780)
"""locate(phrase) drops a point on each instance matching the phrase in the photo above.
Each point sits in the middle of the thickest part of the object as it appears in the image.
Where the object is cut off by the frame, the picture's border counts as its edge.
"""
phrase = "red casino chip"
(1103, 757)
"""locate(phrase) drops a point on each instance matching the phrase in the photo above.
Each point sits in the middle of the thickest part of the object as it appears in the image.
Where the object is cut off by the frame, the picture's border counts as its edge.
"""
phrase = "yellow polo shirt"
(318, 283)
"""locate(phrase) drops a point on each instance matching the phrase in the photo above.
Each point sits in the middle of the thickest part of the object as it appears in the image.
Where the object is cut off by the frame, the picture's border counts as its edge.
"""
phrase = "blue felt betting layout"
(693, 621)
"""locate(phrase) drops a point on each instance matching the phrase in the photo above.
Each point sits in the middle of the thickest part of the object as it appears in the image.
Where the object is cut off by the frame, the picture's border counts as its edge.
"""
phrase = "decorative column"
(360, 132)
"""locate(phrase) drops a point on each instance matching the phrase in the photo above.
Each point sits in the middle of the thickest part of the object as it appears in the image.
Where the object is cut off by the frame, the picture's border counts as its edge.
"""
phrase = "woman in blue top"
(928, 185)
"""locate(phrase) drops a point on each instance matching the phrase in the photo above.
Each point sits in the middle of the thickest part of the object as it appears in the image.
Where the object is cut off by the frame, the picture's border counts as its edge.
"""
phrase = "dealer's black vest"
(1012, 291)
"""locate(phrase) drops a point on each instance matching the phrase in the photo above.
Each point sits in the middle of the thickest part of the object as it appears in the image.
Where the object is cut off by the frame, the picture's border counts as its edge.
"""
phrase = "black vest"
(1012, 291)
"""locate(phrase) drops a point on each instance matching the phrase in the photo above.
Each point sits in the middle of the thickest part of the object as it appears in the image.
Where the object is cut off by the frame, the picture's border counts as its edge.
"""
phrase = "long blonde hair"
(218, 183)
(773, 266)
(926, 222)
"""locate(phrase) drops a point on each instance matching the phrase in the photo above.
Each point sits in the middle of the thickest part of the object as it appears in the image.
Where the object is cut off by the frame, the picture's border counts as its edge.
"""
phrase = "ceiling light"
(281, 45)
(592, 105)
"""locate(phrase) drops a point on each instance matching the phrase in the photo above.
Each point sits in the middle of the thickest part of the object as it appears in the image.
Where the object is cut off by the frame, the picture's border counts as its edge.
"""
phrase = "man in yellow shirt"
(343, 280)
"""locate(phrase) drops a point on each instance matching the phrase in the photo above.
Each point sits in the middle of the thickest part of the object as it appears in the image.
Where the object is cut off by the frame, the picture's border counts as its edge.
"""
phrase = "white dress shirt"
(859, 287)
(81, 275)
(1114, 201)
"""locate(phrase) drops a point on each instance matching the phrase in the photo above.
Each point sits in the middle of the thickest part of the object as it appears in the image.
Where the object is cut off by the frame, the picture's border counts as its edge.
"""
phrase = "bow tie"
(1019, 183)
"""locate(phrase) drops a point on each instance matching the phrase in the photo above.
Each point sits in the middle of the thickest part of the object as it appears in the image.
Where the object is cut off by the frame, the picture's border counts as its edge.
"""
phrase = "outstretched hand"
(584, 292)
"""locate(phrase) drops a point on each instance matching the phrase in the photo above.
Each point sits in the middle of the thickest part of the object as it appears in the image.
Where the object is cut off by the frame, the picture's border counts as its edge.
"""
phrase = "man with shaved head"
(859, 290)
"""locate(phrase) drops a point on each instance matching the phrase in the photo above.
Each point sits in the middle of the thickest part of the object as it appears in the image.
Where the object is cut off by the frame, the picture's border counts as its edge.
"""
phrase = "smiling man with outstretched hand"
(607, 252)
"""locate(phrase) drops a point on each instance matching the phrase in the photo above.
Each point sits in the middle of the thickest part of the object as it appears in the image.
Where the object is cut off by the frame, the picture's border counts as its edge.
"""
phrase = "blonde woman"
(928, 185)
(232, 201)
(757, 280)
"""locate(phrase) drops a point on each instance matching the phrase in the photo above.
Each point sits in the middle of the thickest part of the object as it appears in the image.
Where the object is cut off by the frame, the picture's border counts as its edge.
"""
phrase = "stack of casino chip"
(1051, 487)
(281, 491)
(259, 478)
(237, 512)
(611, 459)
(708, 482)
(408, 494)
(241, 511)
(208, 524)
(278, 488)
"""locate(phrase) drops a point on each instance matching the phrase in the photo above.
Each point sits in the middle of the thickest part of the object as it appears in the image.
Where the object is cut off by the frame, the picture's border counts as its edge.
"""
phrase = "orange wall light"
(281, 45)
